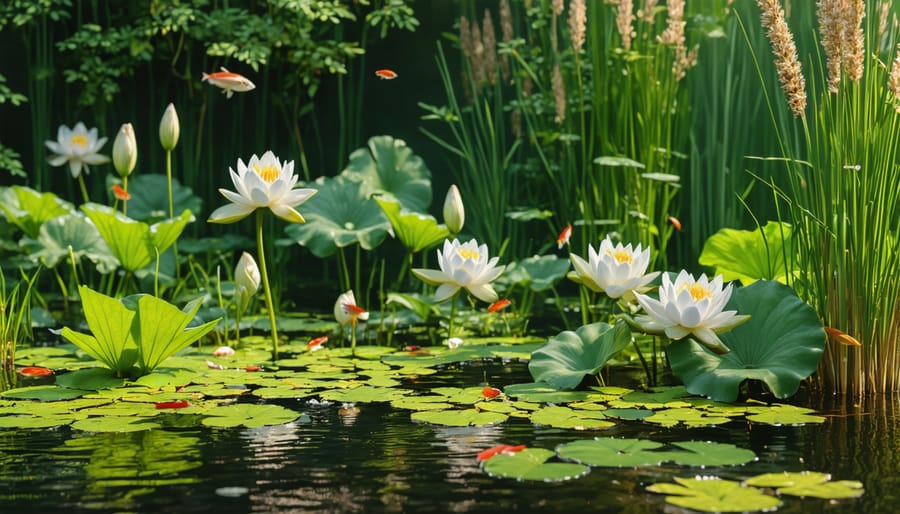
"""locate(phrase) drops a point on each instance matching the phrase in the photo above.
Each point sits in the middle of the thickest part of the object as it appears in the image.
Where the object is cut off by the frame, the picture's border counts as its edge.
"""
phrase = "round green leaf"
(58, 235)
(569, 356)
(613, 452)
(250, 415)
(780, 345)
(531, 464)
(388, 167)
(708, 453)
(459, 418)
(150, 197)
(340, 214)
(750, 255)
(708, 494)
(808, 484)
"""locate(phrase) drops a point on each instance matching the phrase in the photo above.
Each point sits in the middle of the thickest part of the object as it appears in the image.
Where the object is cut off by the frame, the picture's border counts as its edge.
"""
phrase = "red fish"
(229, 82)
(317, 344)
(120, 193)
(386, 74)
(499, 305)
(505, 449)
(34, 371)
(675, 223)
(254, 368)
(491, 392)
(564, 236)
(841, 337)
(180, 404)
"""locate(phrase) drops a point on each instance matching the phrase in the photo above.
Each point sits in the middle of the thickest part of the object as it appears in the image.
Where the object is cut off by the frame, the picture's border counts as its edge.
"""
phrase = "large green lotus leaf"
(780, 344)
(708, 453)
(150, 197)
(459, 418)
(613, 452)
(387, 166)
(127, 239)
(163, 234)
(537, 273)
(415, 231)
(808, 484)
(569, 356)
(531, 464)
(59, 234)
(110, 321)
(540, 392)
(709, 494)
(340, 214)
(32, 208)
(751, 255)
(251, 416)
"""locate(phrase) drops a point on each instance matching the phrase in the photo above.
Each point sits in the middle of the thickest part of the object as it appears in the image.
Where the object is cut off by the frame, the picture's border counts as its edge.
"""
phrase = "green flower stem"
(125, 202)
(452, 315)
(83, 187)
(172, 208)
(265, 278)
(353, 337)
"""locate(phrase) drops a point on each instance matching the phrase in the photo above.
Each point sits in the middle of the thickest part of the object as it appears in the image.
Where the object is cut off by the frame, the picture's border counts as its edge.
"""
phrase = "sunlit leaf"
(416, 231)
(459, 418)
(564, 417)
(251, 415)
(751, 255)
(566, 358)
(709, 494)
(388, 167)
(613, 452)
(32, 209)
(531, 464)
(808, 484)
(708, 453)
(59, 234)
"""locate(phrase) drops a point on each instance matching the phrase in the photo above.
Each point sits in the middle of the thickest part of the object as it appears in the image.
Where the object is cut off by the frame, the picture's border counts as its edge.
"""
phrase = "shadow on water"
(373, 459)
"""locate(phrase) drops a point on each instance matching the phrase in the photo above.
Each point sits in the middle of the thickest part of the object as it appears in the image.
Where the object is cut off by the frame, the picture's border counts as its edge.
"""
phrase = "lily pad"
(808, 484)
(537, 273)
(416, 231)
(68, 232)
(750, 255)
(44, 393)
(531, 464)
(114, 424)
(708, 453)
(781, 344)
(785, 415)
(339, 215)
(566, 358)
(540, 392)
(459, 418)
(709, 494)
(150, 197)
(363, 394)
(613, 452)
(250, 415)
(564, 417)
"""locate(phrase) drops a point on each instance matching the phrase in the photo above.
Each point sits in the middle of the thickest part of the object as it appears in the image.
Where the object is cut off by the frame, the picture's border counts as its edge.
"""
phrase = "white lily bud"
(454, 211)
(346, 310)
(246, 280)
(169, 129)
(125, 150)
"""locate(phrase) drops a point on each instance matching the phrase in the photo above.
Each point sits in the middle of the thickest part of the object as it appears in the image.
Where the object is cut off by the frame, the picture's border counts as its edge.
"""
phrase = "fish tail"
(204, 77)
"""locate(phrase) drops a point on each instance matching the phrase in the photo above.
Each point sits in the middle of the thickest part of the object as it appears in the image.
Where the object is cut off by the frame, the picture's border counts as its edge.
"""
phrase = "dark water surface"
(379, 461)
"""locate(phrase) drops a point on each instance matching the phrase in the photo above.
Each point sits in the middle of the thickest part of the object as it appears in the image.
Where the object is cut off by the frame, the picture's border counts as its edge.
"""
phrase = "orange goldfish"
(675, 223)
(229, 82)
(317, 343)
(120, 193)
(505, 449)
(386, 74)
(499, 305)
(564, 236)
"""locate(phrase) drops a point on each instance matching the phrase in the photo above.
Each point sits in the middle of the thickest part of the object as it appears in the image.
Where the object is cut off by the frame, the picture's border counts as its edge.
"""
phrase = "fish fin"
(204, 77)
(228, 93)
(223, 68)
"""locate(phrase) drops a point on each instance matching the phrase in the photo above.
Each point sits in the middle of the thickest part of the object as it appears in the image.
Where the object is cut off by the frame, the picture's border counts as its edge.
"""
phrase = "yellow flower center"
(698, 292)
(80, 140)
(465, 253)
(622, 255)
(268, 173)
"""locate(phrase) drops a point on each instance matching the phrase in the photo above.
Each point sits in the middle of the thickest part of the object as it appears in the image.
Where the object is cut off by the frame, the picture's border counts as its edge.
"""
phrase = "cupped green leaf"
(338, 215)
(569, 356)
(709, 494)
(780, 345)
(32, 209)
(415, 231)
(751, 255)
(388, 167)
(161, 330)
(110, 321)
(537, 273)
(531, 464)
(70, 231)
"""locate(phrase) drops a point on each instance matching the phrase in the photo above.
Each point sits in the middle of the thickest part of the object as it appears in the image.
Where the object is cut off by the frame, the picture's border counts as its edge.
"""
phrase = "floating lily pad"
(786, 415)
(564, 417)
(808, 484)
(708, 453)
(114, 424)
(708, 494)
(540, 392)
(44, 393)
(531, 464)
(364, 394)
(251, 416)
(459, 418)
(90, 378)
(687, 416)
(613, 452)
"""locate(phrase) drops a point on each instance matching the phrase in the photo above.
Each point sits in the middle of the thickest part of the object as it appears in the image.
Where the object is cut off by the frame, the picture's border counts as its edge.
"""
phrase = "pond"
(371, 458)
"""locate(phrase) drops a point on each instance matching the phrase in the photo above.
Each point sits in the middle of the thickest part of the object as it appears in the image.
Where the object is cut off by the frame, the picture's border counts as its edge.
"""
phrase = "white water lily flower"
(346, 310)
(264, 182)
(618, 271)
(77, 146)
(463, 266)
(691, 307)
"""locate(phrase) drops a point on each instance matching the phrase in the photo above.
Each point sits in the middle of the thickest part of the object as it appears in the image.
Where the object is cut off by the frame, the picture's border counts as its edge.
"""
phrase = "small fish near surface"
(229, 82)
(386, 74)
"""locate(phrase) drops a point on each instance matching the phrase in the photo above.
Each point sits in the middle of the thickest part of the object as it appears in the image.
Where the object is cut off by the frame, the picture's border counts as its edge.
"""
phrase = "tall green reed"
(843, 194)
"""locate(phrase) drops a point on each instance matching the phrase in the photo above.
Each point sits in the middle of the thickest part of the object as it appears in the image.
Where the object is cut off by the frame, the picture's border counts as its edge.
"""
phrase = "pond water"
(377, 460)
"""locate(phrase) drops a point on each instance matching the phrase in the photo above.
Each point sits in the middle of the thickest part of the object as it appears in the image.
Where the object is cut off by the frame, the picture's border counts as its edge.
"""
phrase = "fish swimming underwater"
(229, 82)
(386, 74)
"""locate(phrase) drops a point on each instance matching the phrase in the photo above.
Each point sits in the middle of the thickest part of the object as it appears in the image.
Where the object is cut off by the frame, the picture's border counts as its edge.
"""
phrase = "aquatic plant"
(618, 271)
(77, 147)
(347, 312)
(263, 183)
(15, 324)
(134, 335)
